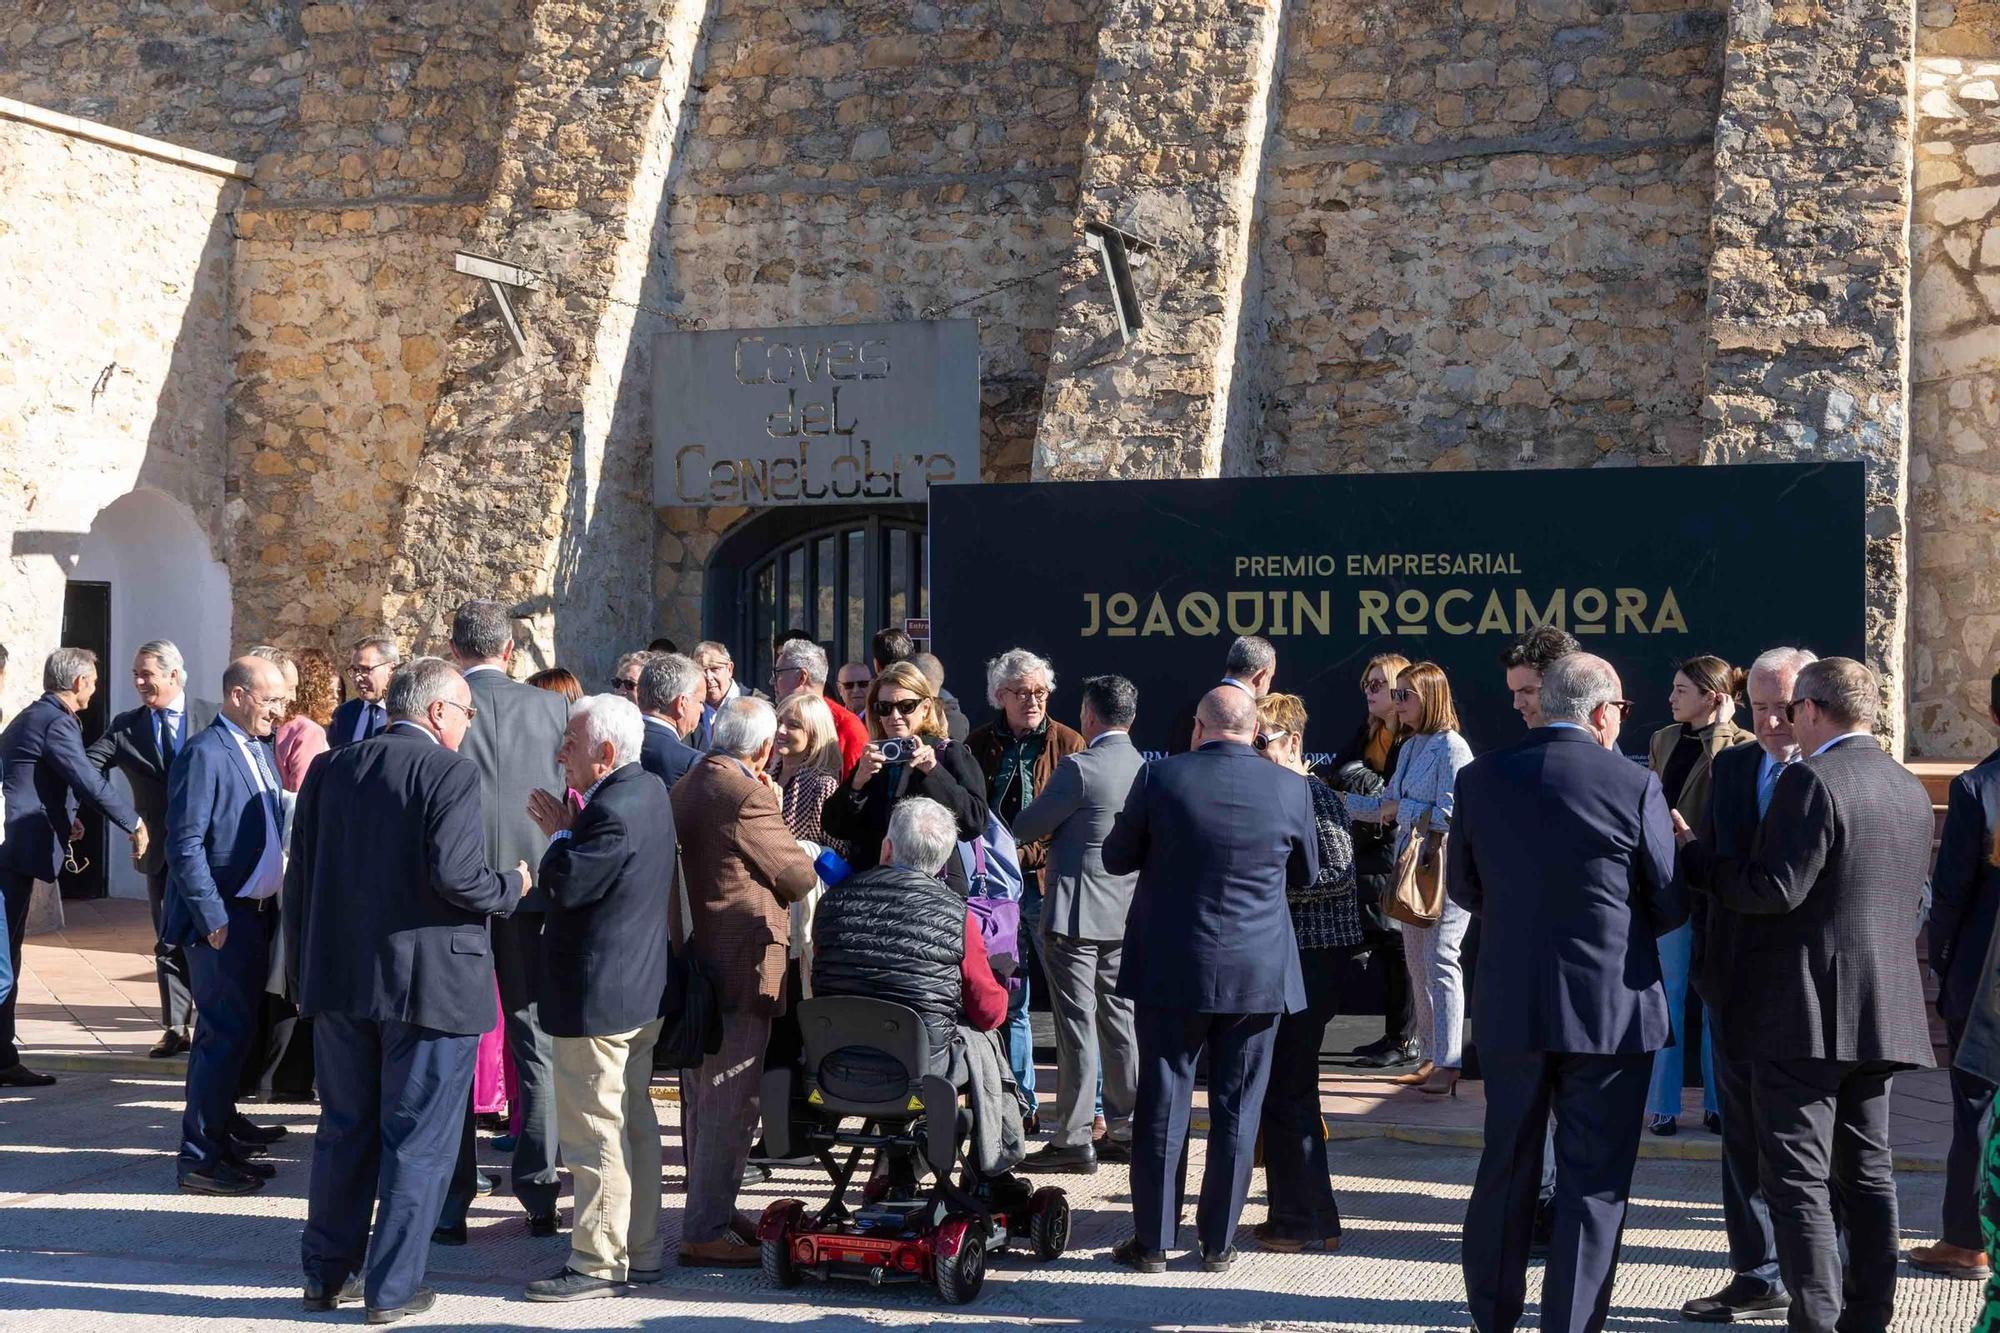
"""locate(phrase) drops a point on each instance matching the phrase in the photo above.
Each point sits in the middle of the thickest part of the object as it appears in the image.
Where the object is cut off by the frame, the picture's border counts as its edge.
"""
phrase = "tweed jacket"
(743, 870)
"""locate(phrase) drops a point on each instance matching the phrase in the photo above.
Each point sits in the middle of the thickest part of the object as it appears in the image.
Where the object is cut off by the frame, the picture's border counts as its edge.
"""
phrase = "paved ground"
(93, 1236)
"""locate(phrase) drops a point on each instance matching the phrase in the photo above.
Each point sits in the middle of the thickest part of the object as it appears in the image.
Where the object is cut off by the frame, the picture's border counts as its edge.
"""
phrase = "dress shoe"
(1267, 1238)
(1031, 1122)
(570, 1285)
(318, 1297)
(1420, 1074)
(726, 1251)
(1078, 1160)
(451, 1233)
(1134, 1255)
(1114, 1150)
(646, 1277)
(261, 1170)
(753, 1174)
(1443, 1082)
(1712, 1121)
(543, 1224)
(18, 1075)
(1385, 1054)
(170, 1044)
(1218, 1263)
(242, 1150)
(222, 1178)
(241, 1128)
(1954, 1261)
(1744, 1295)
(1665, 1126)
(417, 1304)
(483, 1184)
(502, 1143)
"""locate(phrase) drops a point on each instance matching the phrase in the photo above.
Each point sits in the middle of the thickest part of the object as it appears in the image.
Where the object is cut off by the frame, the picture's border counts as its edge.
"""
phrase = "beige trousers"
(611, 1143)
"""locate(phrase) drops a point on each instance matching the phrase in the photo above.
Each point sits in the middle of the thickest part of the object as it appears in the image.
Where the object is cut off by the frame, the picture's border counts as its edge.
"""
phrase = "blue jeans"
(1664, 1096)
(1021, 1032)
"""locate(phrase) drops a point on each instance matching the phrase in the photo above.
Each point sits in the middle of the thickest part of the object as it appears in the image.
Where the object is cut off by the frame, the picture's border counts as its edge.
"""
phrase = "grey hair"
(419, 683)
(638, 659)
(932, 668)
(67, 666)
(720, 650)
(1576, 685)
(382, 644)
(742, 727)
(1782, 662)
(664, 678)
(276, 656)
(1844, 688)
(922, 835)
(481, 628)
(610, 720)
(166, 654)
(1012, 665)
(804, 654)
(1249, 655)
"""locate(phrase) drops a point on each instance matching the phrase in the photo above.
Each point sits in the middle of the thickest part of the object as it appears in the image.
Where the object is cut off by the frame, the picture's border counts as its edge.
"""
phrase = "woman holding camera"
(908, 754)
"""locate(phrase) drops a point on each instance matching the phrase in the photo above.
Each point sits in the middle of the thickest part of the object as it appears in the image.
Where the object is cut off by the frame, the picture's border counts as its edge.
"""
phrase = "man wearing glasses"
(1829, 893)
(718, 680)
(853, 683)
(370, 663)
(625, 676)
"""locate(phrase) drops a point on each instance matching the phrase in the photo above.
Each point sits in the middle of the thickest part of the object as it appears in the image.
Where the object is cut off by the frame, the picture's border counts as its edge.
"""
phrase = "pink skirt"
(489, 1078)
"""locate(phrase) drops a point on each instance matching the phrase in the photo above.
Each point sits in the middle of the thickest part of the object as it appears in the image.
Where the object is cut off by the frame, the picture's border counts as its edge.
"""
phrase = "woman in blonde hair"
(1363, 766)
(808, 763)
(909, 754)
(1420, 795)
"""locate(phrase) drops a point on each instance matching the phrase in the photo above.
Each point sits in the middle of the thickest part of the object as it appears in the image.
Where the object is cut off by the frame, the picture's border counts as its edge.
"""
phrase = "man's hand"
(1682, 833)
(140, 841)
(217, 936)
(527, 876)
(551, 813)
(866, 767)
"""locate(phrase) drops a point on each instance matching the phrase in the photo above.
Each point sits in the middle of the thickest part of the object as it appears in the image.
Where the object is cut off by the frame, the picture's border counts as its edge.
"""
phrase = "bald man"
(225, 865)
(1216, 836)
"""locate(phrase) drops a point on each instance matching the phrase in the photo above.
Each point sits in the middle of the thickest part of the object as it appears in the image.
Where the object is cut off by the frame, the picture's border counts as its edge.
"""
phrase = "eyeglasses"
(783, 672)
(624, 686)
(357, 669)
(1402, 696)
(1624, 706)
(1028, 696)
(1792, 708)
(905, 707)
(1266, 739)
(469, 711)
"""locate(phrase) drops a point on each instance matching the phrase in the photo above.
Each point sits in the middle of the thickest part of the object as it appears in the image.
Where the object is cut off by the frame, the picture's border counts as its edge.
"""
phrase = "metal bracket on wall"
(1118, 253)
(500, 277)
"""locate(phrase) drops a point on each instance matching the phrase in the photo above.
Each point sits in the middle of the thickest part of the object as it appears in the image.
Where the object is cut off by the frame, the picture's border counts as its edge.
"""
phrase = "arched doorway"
(839, 574)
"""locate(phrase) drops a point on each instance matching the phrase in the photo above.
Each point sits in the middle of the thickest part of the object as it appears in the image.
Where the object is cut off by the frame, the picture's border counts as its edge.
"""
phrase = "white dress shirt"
(269, 876)
(1843, 736)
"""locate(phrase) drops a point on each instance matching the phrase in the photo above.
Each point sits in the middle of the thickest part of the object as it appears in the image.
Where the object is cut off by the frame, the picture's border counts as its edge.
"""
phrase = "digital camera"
(896, 749)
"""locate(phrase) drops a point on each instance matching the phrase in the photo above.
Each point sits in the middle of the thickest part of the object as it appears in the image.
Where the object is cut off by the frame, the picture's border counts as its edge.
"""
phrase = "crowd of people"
(456, 892)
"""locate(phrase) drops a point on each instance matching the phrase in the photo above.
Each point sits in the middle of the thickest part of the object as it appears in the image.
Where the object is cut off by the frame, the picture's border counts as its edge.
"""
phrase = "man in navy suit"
(669, 689)
(1565, 851)
(369, 665)
(141, 743)
(42, 754)
(225, 866)
(1216, 836)
(395, 969)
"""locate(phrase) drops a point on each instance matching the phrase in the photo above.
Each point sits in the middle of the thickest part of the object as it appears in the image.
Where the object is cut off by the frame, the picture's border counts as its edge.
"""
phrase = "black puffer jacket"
(1374, 844)
(893, 934)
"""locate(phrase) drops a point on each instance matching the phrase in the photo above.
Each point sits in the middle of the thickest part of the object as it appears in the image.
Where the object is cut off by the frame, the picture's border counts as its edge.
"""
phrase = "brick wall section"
(1808, 329)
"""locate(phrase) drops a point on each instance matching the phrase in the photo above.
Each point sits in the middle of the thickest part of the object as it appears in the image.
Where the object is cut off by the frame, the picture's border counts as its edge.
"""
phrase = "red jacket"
(983, 995)
(853, 733)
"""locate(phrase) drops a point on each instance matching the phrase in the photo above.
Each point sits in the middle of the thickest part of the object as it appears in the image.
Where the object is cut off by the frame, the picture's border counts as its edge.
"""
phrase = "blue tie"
(262, 755)
(1767, 786)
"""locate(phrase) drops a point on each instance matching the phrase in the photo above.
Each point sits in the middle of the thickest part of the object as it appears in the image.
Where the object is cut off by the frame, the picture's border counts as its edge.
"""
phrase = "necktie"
(1768, 786)
(164, 723)
(260, 754)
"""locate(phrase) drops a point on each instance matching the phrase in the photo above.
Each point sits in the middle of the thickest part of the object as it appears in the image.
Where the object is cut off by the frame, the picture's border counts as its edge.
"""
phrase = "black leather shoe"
(169, 1045)
(243, 1150)
(18, 1075)
(222, 1178)
(570, 1285)
(1388, 1056)
(542, 1224)
(241, 1127)
(1109, 1149)
(417, 1304)
(1744, 1295)
(483, 1184)
(1079, 1160)
(319, 1298)
(261, 1170)
(454, 1234)
(1218, 1263)
(1712, 1121)
(1134, 1255)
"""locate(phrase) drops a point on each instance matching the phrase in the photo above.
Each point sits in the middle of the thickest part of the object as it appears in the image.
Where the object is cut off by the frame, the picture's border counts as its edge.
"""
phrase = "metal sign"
(1646, 566)
(845, 414)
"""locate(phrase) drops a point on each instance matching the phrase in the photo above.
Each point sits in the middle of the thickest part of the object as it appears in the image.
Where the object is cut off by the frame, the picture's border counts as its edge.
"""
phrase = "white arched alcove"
(165, 584)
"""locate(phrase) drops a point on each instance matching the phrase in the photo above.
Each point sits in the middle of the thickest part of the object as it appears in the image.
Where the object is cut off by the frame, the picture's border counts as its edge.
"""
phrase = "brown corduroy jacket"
(743, 869)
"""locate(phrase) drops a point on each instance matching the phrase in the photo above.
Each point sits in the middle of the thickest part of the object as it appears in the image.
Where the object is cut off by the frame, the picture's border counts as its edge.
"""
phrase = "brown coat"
(989, 746)
(743, 869)
(1693, 803)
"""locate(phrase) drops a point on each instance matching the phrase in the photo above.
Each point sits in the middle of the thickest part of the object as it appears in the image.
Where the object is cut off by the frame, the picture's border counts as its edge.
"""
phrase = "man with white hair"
(1568, 1004)
(668, 691)
(606, 874)
(743, 870)
(141, 744)
(800, 668)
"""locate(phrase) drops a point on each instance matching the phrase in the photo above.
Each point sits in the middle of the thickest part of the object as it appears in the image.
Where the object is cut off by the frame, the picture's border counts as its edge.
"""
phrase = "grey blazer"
(1080, 898)
(513, 742)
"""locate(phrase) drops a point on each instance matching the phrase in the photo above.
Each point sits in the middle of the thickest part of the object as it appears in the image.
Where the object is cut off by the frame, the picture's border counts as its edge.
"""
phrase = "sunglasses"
(1266, 739)
(1402, 696)
(625, 686)
(905, 707)
(1792, 708)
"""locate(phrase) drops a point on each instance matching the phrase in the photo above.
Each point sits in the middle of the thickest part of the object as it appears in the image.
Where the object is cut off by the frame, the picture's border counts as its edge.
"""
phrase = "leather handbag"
(1416, 894)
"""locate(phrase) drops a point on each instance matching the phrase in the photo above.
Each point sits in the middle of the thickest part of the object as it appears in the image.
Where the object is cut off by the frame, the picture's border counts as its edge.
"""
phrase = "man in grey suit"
(1083, 930)
(514, 747)
(1829, 894)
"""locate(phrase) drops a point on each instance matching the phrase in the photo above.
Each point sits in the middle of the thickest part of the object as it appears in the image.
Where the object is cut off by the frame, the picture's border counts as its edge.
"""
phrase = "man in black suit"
(141, 743)
(388, 933)
(1251, 665)
(1216, 836)
(1569, 1005)
(1965, 902)
(369, 665)
(606, 874)
(42, 756)
(514, 749)
(1829, 894)
(669, 688)
(1745, 778)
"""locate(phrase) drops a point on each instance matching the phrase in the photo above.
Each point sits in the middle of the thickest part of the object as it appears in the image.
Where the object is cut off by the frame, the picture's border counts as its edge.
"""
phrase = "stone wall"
(114, 362)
